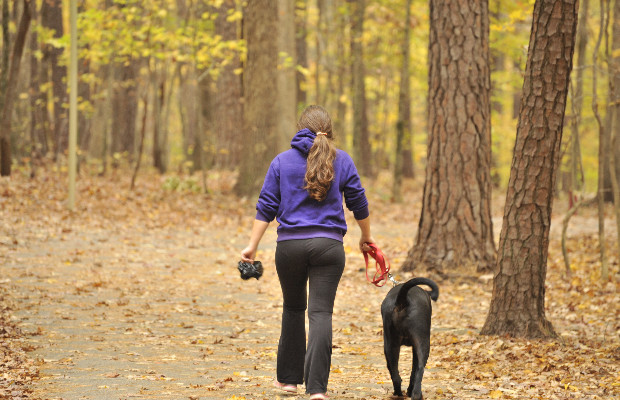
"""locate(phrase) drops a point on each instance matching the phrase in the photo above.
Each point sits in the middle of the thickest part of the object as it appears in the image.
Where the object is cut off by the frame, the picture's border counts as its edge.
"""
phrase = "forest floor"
(136, 295)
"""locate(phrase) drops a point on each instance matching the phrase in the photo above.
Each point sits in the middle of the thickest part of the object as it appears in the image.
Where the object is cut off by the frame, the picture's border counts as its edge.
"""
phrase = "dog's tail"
(401, 299)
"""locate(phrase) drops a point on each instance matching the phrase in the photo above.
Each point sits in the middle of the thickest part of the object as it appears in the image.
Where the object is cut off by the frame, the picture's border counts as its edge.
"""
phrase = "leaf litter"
(136, 295)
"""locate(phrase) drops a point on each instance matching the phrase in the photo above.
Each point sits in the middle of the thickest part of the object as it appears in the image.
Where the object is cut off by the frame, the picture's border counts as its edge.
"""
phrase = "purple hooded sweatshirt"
(283, 195)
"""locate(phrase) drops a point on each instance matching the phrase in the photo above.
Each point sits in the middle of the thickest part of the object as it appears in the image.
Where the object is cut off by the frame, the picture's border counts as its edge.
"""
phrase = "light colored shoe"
(287, 387)
(319, 396)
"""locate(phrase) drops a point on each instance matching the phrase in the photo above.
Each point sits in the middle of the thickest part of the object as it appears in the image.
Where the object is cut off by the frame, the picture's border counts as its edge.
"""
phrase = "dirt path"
(138, 297)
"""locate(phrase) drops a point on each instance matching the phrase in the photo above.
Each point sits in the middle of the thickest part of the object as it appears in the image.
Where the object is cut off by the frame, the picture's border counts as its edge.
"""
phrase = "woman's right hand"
(248, 254)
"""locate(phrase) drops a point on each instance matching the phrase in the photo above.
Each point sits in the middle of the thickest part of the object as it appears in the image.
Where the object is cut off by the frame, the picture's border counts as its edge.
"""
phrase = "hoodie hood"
(303, 141)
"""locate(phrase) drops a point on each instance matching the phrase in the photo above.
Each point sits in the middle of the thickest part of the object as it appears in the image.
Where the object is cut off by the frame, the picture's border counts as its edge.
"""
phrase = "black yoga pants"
(319, 263)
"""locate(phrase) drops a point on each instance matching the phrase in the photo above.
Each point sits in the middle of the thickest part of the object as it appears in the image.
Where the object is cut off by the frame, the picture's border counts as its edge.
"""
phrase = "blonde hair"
(320, 164)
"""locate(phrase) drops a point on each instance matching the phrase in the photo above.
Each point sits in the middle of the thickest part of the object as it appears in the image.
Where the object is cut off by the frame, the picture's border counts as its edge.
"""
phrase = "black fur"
(406, 313)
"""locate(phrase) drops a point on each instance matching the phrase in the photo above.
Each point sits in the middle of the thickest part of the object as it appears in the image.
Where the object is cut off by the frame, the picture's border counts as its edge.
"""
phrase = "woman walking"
(303, 190)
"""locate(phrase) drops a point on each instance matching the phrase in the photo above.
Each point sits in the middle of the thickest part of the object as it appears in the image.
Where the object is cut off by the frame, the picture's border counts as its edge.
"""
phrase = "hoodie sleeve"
(269, 198)
(354, 193)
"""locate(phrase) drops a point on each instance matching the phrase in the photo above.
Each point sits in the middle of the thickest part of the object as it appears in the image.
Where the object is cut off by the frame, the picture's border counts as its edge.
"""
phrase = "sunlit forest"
(162, 81)
(135, 137)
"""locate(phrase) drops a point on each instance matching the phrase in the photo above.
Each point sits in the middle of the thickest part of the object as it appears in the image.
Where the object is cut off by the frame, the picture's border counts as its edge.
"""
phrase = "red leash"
(382, 265)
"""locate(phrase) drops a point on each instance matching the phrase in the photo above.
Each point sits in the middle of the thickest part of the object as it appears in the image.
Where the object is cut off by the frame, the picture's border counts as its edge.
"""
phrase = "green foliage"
(176, 184)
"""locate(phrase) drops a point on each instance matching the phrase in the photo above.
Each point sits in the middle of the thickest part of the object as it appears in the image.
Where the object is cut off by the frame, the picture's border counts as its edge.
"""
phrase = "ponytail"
(320, 164)
(320, 167)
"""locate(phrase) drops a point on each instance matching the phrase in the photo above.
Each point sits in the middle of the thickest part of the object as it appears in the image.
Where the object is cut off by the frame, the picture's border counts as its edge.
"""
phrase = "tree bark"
(403, 125)
(518, 303)
(455, 227)
(51, 18)
(301, 51)
(602, 143)
(39, 123)
(125, 108)
(287, 91)
(361, 138)
(260, 98)
(576, 167)
(614, 147)
(8, 97)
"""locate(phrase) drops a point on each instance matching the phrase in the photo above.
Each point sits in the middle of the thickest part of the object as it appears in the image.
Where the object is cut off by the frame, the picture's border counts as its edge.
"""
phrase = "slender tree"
(614, 140)
(9, 93)
(455, 227)
(518, 303)
(51, 18)
(576, 168)
(602, 142)
(301, 50)
(260, 98)
(403, 125)
(361, 138)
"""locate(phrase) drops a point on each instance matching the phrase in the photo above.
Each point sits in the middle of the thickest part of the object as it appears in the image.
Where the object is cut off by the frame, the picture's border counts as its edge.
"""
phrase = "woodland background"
(182, 105)
(171, 72)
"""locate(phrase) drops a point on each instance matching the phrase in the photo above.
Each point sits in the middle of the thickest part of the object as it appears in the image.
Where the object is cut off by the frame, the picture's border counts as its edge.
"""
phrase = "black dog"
(406, 313)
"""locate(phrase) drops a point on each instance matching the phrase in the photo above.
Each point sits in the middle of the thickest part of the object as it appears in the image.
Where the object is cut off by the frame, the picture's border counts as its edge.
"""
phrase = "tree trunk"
(614, 147)
(287, 92)
(39, 123)
(576, 167)
(342, 62)
(301, 51)
(361, 142)
(518, 303)
(84, 117)
(159, 143)
(227, 99)
(51, 18)
(403, 125)
(125, 109)
(145, 107)
(6, 50)
(189, 111)
(455, 226)
(603, 128)
(260, 98)
(8, 97)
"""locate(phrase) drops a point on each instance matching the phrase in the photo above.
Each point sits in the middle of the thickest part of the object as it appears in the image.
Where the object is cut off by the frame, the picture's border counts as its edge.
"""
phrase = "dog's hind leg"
(391, 348)
(421, 350)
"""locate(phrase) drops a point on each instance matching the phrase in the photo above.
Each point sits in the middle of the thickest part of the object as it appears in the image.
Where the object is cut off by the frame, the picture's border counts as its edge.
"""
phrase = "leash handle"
(382, 265)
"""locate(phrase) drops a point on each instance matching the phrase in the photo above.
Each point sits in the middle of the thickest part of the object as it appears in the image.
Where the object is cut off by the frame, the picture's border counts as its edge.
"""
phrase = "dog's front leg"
(391, 348)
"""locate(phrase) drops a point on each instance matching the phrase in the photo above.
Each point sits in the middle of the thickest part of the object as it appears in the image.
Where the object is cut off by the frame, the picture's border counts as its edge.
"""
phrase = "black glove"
(248, 270)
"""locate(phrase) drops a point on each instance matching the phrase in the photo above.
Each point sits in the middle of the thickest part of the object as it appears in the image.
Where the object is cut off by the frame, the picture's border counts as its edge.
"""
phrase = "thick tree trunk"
(260, 98)
(455, 227)
(227, 99)
(8, 97)
(361, 138)
(518, 303)
(287, 91)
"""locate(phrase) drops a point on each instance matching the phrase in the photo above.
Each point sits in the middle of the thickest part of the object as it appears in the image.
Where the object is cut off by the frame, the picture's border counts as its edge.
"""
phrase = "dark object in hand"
(254, 270)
